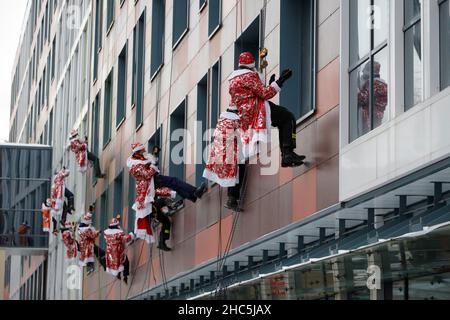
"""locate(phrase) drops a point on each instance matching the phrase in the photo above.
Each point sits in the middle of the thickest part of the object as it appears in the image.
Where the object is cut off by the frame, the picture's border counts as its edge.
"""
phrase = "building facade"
(50, 97)
(369, 92)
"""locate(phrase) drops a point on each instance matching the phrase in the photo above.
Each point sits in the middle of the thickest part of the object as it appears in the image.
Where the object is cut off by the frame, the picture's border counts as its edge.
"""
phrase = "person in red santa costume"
(59, 192)
(380, 98)
(143, 170)
(83, 155)
(222, 164)
(116, 241)
(68, 237)
(46, 215)
(87, 235)
(257, 114)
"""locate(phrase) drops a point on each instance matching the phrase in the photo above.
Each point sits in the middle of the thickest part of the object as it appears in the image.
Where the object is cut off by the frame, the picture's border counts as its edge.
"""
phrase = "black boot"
(233, 204)
(162, 246)
(201, 190)
(291, 160)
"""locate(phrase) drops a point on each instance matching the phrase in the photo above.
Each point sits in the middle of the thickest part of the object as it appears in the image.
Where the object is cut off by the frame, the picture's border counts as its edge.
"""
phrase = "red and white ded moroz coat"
(143, 171)
(116, 241)
(250, 96)
(58, 189)
(87, 236)
(80, 149)
(222, 165)
(70, 243)
(46, 217)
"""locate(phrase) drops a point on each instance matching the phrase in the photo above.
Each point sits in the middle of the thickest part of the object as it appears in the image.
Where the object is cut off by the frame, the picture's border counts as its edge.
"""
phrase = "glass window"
(110, 14)
(202, 120)
(122, 86)
(131, 198)
(118, 195)
(95, 129)
(369, 77)
(297, 50)
(215, 94)
(180, 20)
(107, 109)
(104, 217)
(158, 30)
(444, 13)
(413, 53)
(202, 4)
(360, 34)
(177, 141)
(138, 69)
(215, 16)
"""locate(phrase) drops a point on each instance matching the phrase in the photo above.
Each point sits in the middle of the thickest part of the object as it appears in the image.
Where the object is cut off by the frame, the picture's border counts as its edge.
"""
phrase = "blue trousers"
(183, 189)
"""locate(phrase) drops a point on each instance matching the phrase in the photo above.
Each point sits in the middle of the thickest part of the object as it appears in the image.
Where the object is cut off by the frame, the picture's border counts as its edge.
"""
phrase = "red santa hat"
(246, 59)
(87, 219)
(73, 133)
(114, 223)
(137, 147)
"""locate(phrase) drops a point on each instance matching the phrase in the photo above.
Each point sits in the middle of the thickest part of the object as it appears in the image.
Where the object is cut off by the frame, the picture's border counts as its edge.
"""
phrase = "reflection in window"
(413, 53)
(444, 13)
(368, 66)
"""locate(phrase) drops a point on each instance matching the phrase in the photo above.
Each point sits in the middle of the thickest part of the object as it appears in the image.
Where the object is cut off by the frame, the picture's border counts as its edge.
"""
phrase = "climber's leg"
(185, 190)
(284, 120)
(97, 170)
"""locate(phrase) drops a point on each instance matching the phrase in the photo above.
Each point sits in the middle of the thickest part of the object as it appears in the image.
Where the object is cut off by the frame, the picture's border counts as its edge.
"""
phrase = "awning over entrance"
(410, 204)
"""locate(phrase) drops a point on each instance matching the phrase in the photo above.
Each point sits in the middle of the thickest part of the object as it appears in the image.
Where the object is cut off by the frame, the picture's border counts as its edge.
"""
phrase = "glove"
(285, 76)
(272, 79)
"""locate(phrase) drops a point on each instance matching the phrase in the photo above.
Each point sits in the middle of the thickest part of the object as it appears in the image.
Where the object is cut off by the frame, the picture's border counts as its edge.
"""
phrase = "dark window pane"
(131, 198)
(297, 53)
(412, 10)
(138, 68)
(121, 86)
(359, 29)
(445, 43)
(158, 30)
(413, 66)
(215, 15)
(110, 13)
(202, 116)
(177, 142)
(107, 109)
(215, 95)
(118, 195)
(180, 19)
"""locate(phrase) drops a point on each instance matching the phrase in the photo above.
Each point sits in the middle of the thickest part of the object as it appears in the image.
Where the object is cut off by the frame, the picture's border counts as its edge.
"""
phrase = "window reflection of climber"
(23, 234)
(380, 98)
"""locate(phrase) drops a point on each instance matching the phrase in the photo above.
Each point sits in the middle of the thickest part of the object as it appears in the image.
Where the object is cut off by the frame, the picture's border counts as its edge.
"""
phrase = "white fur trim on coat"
(224, 183)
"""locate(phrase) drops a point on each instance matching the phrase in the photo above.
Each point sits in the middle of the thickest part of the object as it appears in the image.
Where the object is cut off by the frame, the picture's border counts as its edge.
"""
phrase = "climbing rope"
(223, 258)
(135, 270)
